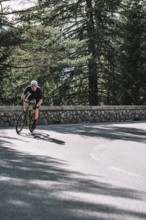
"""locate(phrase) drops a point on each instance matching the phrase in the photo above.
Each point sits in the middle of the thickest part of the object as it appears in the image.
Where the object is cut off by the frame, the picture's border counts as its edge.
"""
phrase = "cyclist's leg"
(36, 115)
(36, 110)
(26, 104)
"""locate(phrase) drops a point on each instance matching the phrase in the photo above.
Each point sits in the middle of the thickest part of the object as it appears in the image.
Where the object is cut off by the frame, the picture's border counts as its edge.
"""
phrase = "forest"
(81, 52)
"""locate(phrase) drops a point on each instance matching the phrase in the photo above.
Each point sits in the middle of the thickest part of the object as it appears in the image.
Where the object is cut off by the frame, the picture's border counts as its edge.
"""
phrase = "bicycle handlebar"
(29, 102)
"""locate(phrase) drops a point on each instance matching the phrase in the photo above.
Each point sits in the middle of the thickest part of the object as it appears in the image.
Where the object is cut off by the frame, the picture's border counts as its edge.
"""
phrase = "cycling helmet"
(34, 83)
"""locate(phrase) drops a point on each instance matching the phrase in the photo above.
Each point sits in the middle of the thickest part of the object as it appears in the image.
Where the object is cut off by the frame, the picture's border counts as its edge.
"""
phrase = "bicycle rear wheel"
(20, 122)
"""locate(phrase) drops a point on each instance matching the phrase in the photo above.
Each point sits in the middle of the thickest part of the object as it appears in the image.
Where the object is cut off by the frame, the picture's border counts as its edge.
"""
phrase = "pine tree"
(10, 37)
(85, 20)
(132, 56)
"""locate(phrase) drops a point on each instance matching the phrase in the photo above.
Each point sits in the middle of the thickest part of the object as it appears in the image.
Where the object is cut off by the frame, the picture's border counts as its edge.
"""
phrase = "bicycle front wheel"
(31, 123)
(20, 122)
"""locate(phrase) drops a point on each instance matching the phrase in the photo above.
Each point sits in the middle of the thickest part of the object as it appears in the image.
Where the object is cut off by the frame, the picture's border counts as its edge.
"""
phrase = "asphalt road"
(74, 172)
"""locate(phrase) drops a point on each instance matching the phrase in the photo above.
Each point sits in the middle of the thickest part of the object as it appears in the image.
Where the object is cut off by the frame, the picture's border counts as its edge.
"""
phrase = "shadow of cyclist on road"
(43, 136)
(46, 137)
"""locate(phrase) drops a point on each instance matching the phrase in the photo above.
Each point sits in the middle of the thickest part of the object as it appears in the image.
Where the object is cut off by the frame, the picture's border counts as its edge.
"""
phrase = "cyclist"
(33, 92)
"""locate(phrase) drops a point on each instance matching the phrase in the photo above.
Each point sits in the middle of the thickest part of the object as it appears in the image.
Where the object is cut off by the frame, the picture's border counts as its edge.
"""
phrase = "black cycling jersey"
(37, 95)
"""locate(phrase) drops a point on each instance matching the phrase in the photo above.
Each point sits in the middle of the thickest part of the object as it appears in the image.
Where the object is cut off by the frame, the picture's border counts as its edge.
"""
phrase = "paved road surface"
(74, 172)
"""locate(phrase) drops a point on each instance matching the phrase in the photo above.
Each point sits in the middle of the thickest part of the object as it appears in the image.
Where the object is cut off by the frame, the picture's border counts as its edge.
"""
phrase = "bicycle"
(25, 118)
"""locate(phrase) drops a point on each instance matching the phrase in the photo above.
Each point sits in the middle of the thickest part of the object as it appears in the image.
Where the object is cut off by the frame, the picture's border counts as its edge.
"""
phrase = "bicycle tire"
(31, 121)
(20, 122)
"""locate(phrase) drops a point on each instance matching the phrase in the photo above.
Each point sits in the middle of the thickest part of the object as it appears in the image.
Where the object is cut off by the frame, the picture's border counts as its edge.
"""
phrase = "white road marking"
(93, 157)
(112, 167)
(100, 146)
(97, 148)
(124, 171)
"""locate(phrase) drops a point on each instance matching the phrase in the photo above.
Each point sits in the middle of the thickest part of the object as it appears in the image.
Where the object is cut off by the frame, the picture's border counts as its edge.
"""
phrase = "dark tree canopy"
(82, 52)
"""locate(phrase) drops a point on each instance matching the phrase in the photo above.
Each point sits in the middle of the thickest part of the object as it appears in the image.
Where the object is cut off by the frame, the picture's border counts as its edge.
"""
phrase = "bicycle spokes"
(21, 122)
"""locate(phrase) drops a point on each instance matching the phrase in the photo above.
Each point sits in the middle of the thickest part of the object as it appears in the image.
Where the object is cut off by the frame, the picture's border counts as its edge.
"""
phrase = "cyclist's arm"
(39, 103)
(24, 94)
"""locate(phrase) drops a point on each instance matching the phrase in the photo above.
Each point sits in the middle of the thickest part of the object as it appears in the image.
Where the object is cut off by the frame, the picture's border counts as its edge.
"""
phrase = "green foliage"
(9, 38)
(132, 56)
(81, 52)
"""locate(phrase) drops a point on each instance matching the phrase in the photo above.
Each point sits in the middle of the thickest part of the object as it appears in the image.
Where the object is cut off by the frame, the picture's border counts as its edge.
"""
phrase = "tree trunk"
(92, 65)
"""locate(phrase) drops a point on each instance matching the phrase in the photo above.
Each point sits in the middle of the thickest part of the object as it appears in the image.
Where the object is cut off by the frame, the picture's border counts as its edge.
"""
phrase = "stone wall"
(76, 114)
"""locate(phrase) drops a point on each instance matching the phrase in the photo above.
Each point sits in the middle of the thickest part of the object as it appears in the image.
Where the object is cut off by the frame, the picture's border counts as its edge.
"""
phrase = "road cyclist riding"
(32, 95)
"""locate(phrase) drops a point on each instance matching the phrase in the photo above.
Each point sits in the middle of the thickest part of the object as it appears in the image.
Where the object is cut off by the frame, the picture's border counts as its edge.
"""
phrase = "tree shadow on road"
(110, 131)
(6, 139)
(45, 188)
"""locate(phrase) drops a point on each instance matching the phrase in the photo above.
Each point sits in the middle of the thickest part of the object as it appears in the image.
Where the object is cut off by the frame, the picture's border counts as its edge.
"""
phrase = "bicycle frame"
(25, 118)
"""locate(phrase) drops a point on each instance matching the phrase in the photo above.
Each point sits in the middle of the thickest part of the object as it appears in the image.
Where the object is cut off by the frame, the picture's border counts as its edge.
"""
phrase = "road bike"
(26, 119)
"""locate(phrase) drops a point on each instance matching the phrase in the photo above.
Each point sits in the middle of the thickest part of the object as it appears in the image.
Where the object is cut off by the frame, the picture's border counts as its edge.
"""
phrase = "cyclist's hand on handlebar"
(22, 97)
(35, 107)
